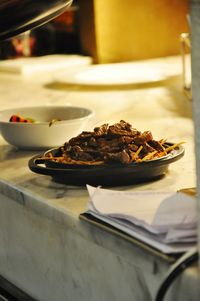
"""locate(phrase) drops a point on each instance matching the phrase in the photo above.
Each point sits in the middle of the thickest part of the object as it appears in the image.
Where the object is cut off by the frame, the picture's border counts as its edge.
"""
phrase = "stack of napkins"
(46, 63)
(166, 221)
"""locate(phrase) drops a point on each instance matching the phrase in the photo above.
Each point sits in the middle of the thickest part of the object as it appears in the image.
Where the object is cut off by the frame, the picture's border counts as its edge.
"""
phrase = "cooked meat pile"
(110, 144)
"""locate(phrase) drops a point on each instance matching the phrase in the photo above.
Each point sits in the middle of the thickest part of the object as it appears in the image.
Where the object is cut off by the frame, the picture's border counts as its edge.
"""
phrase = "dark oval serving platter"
(107, 174)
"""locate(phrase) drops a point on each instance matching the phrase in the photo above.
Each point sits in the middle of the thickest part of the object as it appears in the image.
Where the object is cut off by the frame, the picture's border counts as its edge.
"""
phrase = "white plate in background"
(114, 74)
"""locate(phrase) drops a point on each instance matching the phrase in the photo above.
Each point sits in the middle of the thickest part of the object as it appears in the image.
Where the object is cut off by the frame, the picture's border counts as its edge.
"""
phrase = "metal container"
(17, 16)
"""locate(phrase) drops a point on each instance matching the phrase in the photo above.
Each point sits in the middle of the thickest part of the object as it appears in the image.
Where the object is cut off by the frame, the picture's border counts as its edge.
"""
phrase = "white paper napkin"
(47, 63)
(170, 215)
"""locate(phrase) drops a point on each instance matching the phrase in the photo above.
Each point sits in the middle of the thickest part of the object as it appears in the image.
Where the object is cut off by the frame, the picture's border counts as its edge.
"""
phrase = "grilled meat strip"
(119, 142)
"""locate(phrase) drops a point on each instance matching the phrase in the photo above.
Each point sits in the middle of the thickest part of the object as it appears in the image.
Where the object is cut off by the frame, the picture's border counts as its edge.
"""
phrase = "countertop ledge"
(40, 219)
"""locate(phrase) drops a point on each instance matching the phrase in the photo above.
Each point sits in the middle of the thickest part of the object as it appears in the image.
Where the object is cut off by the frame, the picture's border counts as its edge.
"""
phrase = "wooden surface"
(131, 30)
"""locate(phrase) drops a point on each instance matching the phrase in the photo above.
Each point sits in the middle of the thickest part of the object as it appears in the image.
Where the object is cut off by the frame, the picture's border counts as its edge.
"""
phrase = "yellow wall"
(138, 29)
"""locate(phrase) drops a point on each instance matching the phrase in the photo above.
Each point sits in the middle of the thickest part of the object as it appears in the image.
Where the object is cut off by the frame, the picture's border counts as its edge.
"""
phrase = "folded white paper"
(164, 220)
(178, 210)
(47, 63)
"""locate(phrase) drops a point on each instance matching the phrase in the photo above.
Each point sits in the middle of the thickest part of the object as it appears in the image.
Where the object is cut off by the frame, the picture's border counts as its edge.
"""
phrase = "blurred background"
(108, 31)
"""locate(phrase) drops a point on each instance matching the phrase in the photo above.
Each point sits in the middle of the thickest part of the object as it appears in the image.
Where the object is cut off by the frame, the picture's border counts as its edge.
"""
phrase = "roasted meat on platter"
(117, 143)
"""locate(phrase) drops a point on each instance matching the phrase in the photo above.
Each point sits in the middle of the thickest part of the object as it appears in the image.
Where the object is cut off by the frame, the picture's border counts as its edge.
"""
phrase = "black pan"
(107, 174)
(17, 16)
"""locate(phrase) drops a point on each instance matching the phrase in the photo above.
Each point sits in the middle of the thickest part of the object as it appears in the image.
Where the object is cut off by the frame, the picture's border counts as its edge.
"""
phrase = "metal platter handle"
(35, 165)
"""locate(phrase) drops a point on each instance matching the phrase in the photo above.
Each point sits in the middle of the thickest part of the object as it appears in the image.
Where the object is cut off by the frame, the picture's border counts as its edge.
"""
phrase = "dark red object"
(17, 118)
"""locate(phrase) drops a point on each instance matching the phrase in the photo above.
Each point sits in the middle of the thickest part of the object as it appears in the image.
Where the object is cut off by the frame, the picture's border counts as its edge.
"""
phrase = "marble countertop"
(160, 107)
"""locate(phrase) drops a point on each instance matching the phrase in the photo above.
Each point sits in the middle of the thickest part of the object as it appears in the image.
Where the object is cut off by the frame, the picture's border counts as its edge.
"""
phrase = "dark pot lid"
(18, 16)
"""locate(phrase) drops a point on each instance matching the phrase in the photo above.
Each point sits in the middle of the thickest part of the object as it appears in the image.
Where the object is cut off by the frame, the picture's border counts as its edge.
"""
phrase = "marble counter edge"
(96, 235)
(35, 203)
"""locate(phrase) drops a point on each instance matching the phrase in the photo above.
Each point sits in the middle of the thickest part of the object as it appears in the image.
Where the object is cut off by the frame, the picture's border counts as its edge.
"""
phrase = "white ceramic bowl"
(39, 135)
